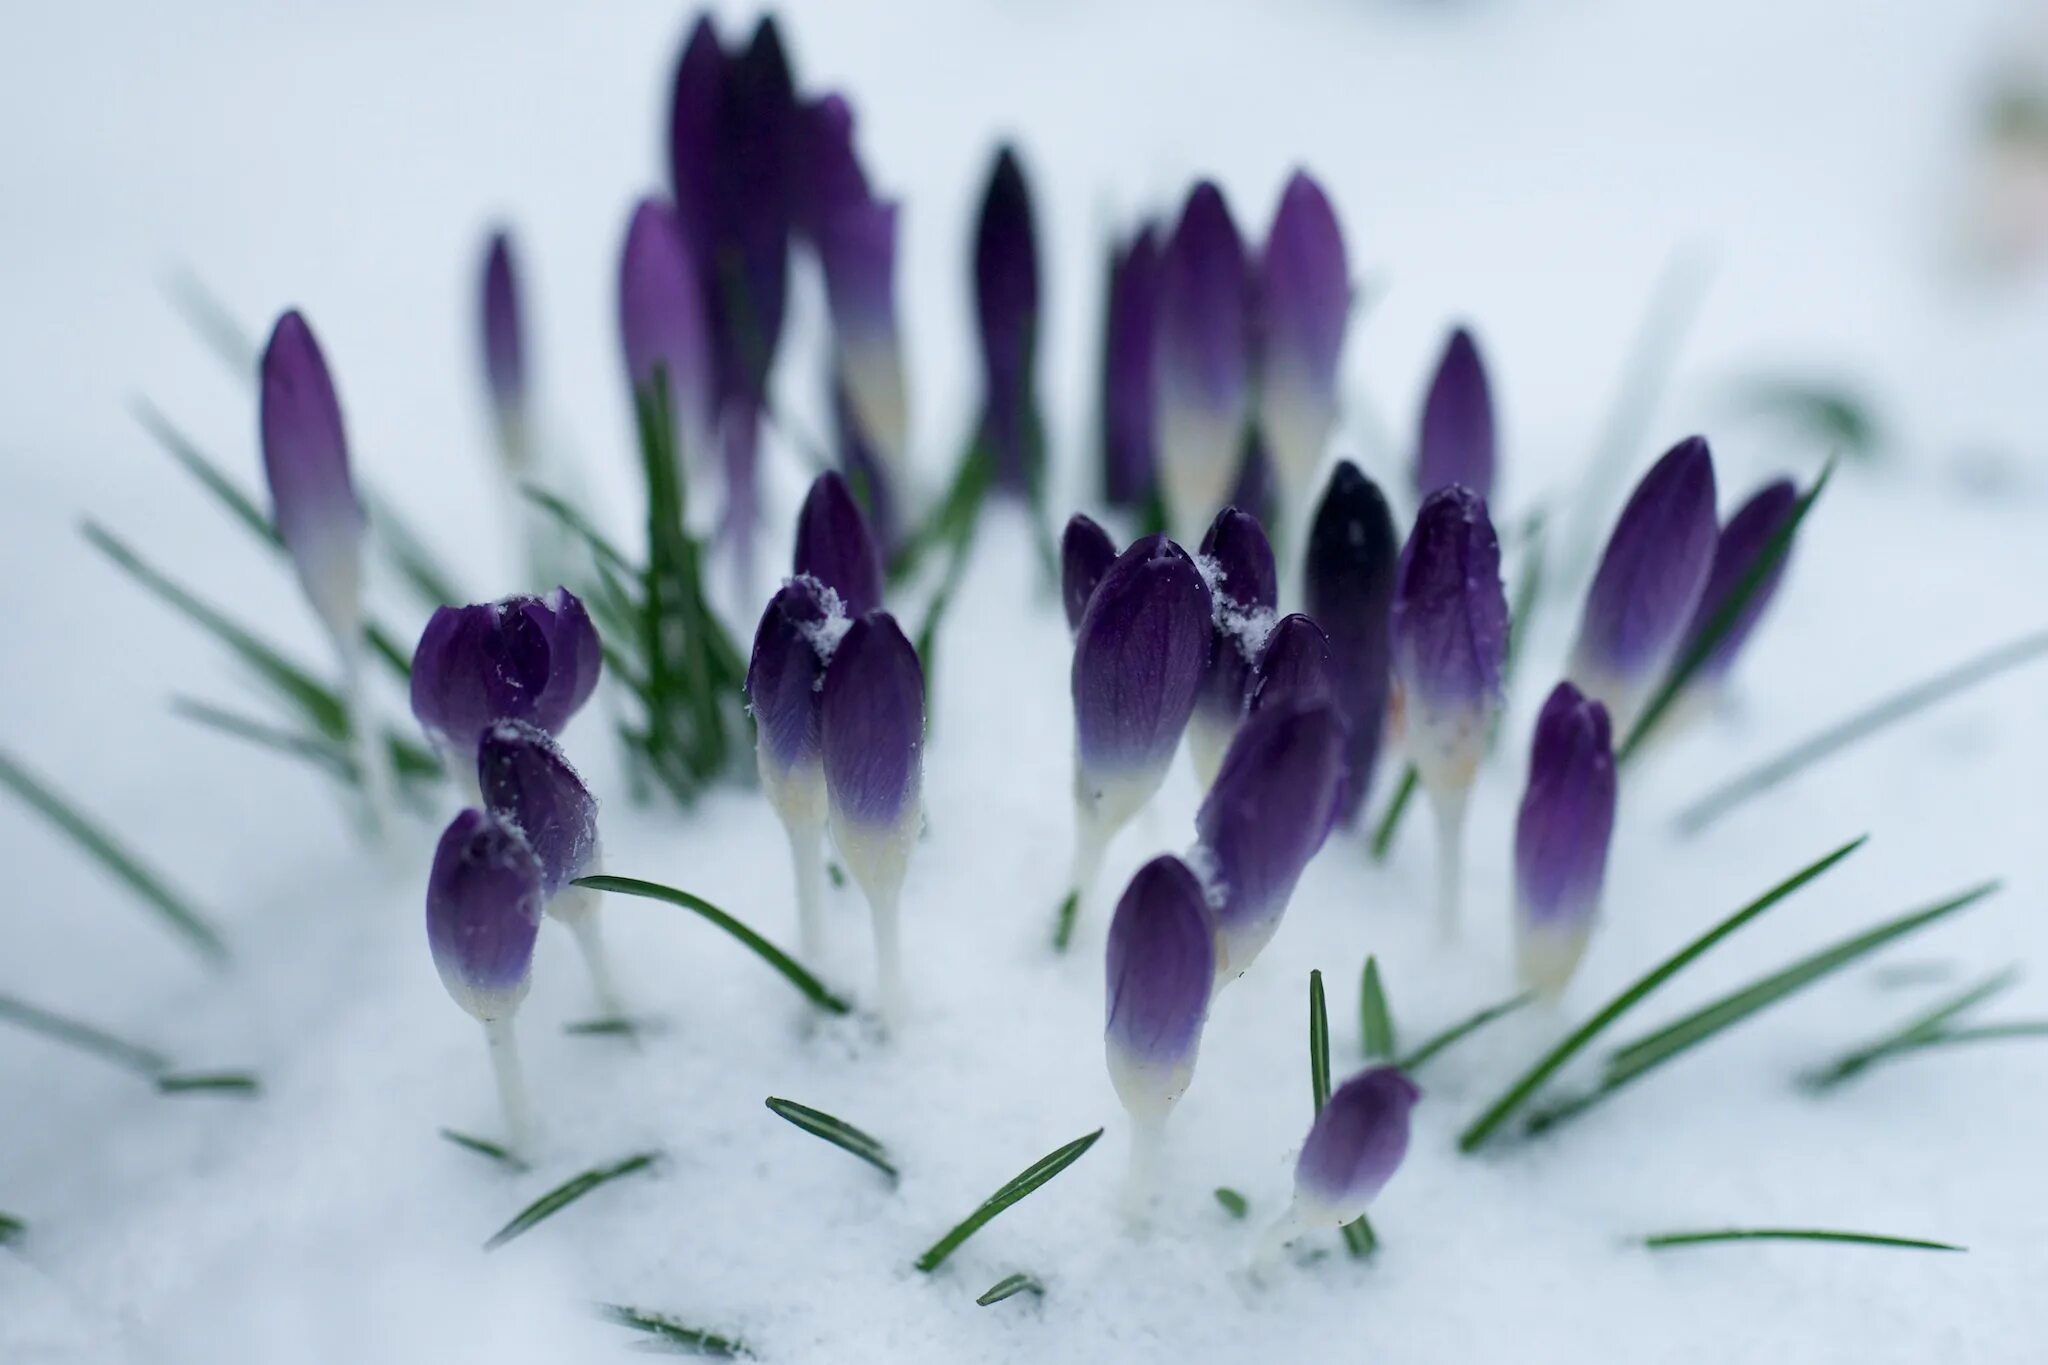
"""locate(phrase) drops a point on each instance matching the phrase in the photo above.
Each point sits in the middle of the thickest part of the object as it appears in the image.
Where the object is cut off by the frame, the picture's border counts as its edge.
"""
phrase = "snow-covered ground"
(1530, 167)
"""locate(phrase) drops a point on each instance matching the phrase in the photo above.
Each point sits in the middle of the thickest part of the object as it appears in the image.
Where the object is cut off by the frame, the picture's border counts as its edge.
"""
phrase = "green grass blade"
(188, 923)
(489, 1150)
(1383, 833)
(1318, 1042)
(1551, 1062)
(812, 988)
(236, 1083)
(1463, 1029)
(212, 322)
(1843, 734)
(576, 524)
(1234, 1204)
(1020, 1185)
(12, 1229)
(70, 1032)
(409, 554)
(1990, 1033)
(312, 749)
(1768, 559)
(1928, 1029)
(567, 1193)
(1009, 1287)
(1663, 1241)
(675, 1337)
(836, 1131)
(1375, 1019)
(209, 475)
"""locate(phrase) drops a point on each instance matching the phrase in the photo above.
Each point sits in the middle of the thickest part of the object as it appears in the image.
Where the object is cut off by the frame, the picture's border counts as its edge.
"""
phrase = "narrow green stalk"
(1318, 1043)
(1463, 1029)
(1927, 1029)
(813, 989)
(1375, 1018)
(836, 1131)
(239, 1083)
(1009, 1287)
(133, 1057)
(1665, 1240)
(12, 1229)
(567, 1193)
(1020, 1185)
(483, 1148)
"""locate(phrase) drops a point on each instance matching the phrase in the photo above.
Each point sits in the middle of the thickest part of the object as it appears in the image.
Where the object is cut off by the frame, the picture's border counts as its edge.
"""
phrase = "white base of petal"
(1209, 737)
(1546, 955)
(1199, 454)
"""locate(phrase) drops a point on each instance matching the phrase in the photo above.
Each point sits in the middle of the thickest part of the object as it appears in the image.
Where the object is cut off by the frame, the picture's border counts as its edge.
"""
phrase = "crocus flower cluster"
(1244, 589)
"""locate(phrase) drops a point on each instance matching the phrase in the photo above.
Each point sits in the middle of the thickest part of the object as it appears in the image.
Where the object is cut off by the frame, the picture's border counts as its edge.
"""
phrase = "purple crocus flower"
(528, 784)
(483, 913)
(827, 171)
(662, 322)
(1268, 813)
(1740, 546)
(532, 659)
(1201, 359)
(1006, 311)
(305, 459)
(1457, 443)
(785, 681)
(1353, 1148)
(1086, 552)
(1128, 474)
(1649, 580)
(1162, 964)
(1349, 578)
(834, 545)
(1304, 304)
(504, 344)
(1295, 665)
(1244, 587)
(858, 248)
(1561, 838)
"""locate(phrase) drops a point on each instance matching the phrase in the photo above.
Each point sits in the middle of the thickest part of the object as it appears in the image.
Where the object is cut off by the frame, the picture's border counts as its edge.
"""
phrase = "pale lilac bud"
(1244, 587)
(1457, 442)
(871, 719)
(1449, 627)
(1201, 359)
(1349, 579)
(834, 545)
(305, 458)
(1561, 838)
(1162, 965)
(483, 914)
(504, 340)
(1086, 552)
(662, 321)
(1741, 545)
(532, 659)
(1354, 1147)
(857, 244)
(1304, 304)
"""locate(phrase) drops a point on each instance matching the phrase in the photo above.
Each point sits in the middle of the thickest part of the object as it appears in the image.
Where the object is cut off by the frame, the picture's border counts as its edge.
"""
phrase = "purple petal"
(1161, 968)
(786, 674)
(1086, 552)
(696, 141)
(529, 659)
(1127, 381)
(1457, 444)
(1741, 544)
(1349, 578)
(1294, 666)
(834, 545)
(1202, 356)
(662, 321)
(528, 784)
(1449, 620)
(1562, 835)
(1138, 660)
(483, 914)
(1304, 303)
(828, 170)
(503, 339)
(872, 720)
(1356, 1144)
(1006, 308)
(752, 212)
(305, 458)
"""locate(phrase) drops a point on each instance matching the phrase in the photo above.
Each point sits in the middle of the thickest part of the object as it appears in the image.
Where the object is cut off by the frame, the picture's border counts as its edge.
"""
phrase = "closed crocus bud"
(1354, 1147)
(827, 172)
(696, 137)
(663, 324)
(754, 208)
(528, 783)
(871, 717)
(1201, 360)
(1006, 310)
(1649, 580)
(1128, 477)
(1457, 441)
(1349, 579)
(785, 680)
(483, 913)
(1086, 552)
(532, 659)
(1304, 304)
(834, 545)
(1561, 838)
(305, 459)
(1295, 665)
(504, 344)
(1267, 815)
(1737, 551)
(1162, 964)
(857, 244)
(1244, 587)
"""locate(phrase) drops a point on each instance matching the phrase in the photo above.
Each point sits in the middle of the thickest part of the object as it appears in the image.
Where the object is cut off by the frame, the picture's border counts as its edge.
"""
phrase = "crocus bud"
(1006, 308)
(827, 170)
(785, 677)
(1449, 628)
(1271, 808)
(1304, 303)
(834, 545)
(305, 458)
(753, 193)
(1295, 665)
(532, 659)
(504, 342)
(1349, 579)
(1201, 360)
(1244, 586)
(1128, 476)
(696, 137)
(1561, 838)
(857, 244)
(1086, 552)
(1354, 1147)
(1457, 442)
(483, 914)
(1649, 580)
(1161, 967)
(1741, 544)
(528, 784)
(662, 321)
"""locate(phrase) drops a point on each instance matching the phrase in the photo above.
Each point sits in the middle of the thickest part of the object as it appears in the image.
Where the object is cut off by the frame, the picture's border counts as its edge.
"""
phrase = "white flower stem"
(589, 934)
(807, 856)
(1450, 861)
(1285, 1229)
(888, 958)
(372, 764)
(511, 1084)
(1091, 841)
(1141, 1173)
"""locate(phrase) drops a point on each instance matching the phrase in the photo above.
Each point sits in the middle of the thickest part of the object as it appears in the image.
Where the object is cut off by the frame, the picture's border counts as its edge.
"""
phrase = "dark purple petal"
(872, 719)
(1349, 579)
(529, 659)
(1449, 620)
(1127, 383)
(1304, 303)
(483, 914)
(1294, 666)
(1244, 586)
(575, 658)
(528, 784)
(504, 342)
(1562, 835)
(1006, 308)
(1741, 544)
(1241, 558)
(1138, 660)
(1355, 1145)
(696, 141)
(1161, 968)
(662, 321)
(752, 211)
(305, 458)
(1457, 444)
(834, 545)
(786, 674)
(828, 171)
(1086, 552)
(1269, 811)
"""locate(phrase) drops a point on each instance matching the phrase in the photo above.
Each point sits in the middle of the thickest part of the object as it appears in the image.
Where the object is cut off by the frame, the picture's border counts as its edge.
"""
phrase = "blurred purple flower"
(503, 334)
(1737, 551)
(1201, 359)
(1349, 580)
(1457, 442)
(1354, 1147)
(305, 459)
(1304, 305)
(1006, 301)
(662, 323)
(1129, 478)
(1086, 552)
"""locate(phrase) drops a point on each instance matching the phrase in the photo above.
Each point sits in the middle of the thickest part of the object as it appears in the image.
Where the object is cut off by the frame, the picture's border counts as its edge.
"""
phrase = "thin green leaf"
(1830, 413)
(185, 921)
(1318, 1042)
(1233, 1203)
(70, 1032)
(12, 1229)
(239, 505)
(238, 1083)
(1860, 726)
(567, 1193)
(1990, 1033)
(1359, 1239)
(602, 1028)
(1925, 1029)
(409, 554)
(580, 526)
(1463, 1029)
(1551, 1062)
(409, 761)
(213, 323)
(1020, 1185)
(1008, 1287)
(1375, 1019)
(1383, 833)
(674, 1336)
(1663, 1241)
(813, 989)
(836, 1131)
(482, 1148)
(836, 874)
(1063, 921)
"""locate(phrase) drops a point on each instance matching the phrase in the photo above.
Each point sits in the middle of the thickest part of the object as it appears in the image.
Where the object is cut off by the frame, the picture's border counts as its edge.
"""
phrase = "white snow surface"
(1531, 167)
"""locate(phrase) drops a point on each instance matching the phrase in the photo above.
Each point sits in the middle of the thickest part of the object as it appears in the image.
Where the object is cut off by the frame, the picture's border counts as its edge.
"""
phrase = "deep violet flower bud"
(1244, 587)
(1268, 813)
(1007, 312)
(532, 659)
(305, 459)
(1649, 580)
(1348, 575)
(1295, 665)
(1162, 965)
(1354, 1147)
(504, 340)
(1086, 552)
(1457, 439)
(528, 784)
(827, 173)
(785, 679)
(662, 321)
(1128, 474)
(1741, 544)
(1449, 631)
(483, 914)
(1304, 304)
(752, 206)
(696, 137)
(1201, 360)
(857, 244)
(834, 545)
(1561, 838)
